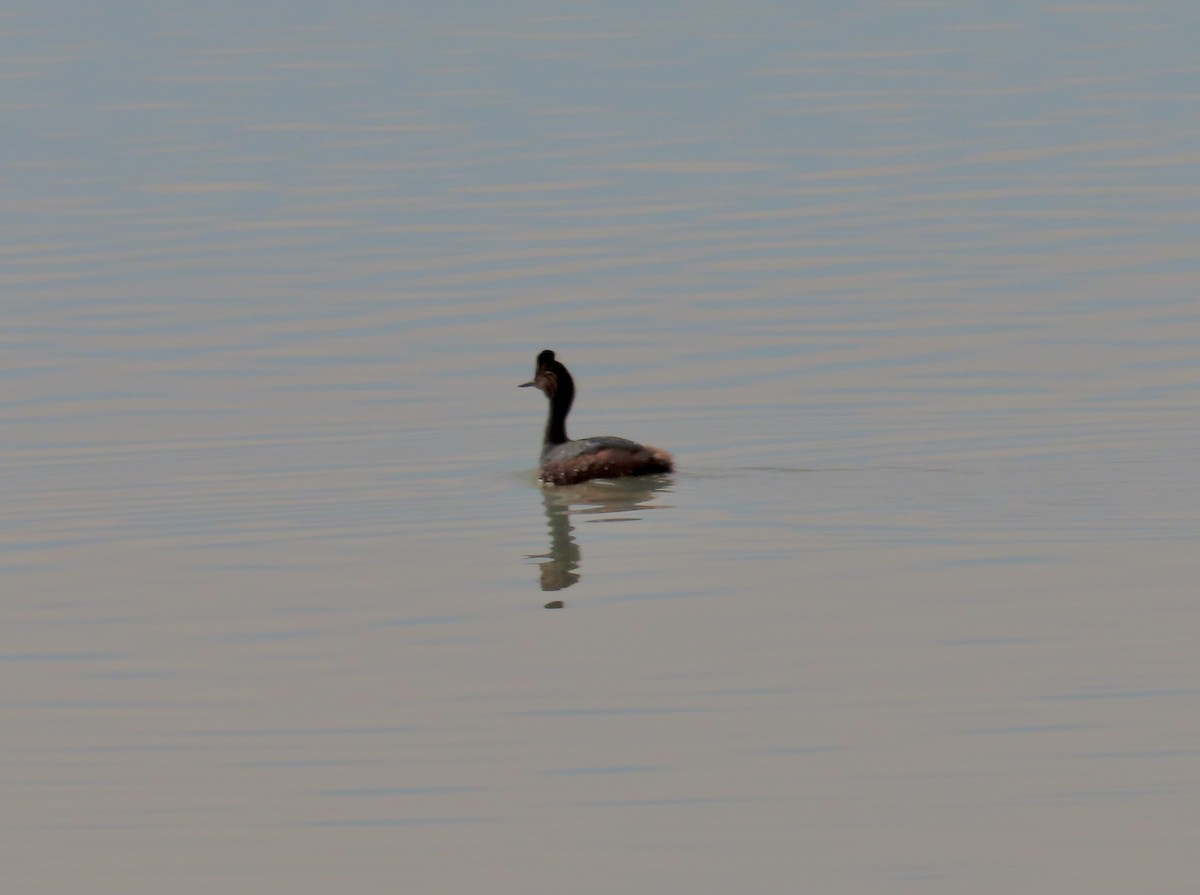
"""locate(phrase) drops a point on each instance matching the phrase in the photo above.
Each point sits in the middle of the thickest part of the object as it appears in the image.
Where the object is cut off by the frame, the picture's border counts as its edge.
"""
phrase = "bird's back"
(601, 456)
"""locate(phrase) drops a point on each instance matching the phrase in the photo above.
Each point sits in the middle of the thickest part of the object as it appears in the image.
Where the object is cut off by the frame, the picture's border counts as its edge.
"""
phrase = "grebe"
(567, 462)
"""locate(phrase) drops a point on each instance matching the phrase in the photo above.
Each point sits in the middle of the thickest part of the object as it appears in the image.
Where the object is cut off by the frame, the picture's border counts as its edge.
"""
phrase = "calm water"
(910, 290)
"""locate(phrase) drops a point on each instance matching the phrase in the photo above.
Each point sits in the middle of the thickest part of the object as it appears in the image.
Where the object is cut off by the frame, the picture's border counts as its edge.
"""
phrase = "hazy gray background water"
(909, 289)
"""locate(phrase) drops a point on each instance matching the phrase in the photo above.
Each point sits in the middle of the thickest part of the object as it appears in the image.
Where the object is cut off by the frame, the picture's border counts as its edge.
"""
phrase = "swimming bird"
(565, 461)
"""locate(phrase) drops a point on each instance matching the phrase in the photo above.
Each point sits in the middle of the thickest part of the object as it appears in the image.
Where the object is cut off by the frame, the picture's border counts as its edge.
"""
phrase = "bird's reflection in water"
(595, 497)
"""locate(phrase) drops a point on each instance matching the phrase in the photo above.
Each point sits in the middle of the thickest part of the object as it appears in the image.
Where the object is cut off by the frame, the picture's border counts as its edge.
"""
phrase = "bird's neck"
(556, 421)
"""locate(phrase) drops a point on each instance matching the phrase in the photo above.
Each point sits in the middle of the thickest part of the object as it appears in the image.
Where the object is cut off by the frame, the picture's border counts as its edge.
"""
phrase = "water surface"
(909, 290)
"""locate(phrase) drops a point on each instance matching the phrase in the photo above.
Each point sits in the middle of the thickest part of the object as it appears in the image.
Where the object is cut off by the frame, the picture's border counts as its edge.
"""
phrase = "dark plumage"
(567, 462)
